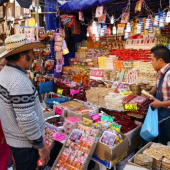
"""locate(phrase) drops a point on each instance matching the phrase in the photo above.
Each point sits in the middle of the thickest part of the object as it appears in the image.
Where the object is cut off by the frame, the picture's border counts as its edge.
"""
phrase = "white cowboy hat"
(17, 43)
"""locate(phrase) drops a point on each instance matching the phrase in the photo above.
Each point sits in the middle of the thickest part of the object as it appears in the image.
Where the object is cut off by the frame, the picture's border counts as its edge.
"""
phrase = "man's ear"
(161, 60)
(22, 56)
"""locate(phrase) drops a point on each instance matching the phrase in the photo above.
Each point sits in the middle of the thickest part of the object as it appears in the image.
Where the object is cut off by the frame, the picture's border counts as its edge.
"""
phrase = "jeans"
(25, 158)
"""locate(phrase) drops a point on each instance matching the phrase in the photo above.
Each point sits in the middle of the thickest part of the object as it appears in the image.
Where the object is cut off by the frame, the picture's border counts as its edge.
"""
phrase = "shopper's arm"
(23, 100)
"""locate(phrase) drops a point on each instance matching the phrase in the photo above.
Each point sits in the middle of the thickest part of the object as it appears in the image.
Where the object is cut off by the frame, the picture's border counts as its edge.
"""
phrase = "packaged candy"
(148, 22)
(156, 21)
(139, 28)
(108, 138)
(75, 136)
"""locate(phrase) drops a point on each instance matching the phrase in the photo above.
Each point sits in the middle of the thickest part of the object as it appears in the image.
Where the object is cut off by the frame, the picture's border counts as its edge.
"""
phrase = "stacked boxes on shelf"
(102, 62)
(70, 123)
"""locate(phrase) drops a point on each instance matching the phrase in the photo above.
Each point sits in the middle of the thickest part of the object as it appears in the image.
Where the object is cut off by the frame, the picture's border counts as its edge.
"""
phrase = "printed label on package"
(60, 91)
(131, 107)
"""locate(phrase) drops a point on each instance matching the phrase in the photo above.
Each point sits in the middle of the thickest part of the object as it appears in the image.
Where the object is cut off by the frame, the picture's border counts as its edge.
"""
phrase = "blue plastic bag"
(61, 99)
(150, 126)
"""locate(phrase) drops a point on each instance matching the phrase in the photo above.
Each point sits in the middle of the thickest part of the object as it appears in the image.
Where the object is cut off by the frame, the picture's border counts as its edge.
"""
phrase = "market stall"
(95, 107)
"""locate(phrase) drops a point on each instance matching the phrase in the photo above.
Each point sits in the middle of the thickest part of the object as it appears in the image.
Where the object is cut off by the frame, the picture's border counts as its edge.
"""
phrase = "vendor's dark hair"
(160, 51)
(16, 57)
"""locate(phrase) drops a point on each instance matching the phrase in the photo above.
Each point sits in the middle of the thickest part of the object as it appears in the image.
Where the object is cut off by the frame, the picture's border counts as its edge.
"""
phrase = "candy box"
(109, 164)
(73, 112)
(131, 161)
(83, 154)
(108, 138)
(48, 113)
(50, 129)
(62, 108)
(110, 153)
(75, 136)
(70, 123)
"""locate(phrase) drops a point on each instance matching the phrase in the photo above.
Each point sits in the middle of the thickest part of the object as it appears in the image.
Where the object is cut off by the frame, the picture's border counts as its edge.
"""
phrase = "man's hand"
(156, 103)
(44, 154)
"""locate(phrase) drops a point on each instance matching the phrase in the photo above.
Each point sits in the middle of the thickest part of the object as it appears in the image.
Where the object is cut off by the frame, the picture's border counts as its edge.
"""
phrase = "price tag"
(95, 117)
(59, 137)
(58, 111)
(131, 107)
(72, 92)
(60, 91)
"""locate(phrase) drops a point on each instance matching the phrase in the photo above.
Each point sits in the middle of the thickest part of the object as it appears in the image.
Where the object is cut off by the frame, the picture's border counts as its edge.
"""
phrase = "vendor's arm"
(157, 103)
(24, 100)
(153, 90)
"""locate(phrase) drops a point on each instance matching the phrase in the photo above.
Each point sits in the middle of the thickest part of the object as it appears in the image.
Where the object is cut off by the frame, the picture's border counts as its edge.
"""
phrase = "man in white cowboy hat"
(20, 109)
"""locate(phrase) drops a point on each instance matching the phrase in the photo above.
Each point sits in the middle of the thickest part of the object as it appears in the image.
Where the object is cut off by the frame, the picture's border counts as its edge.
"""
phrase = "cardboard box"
(134, 132)
(71, 112)
(134, 138)
(131, 161)
(106, 153)
(49, 114)
(109, 164)
(88, 158)
(70, 125)
(136, 142)
(63, 112)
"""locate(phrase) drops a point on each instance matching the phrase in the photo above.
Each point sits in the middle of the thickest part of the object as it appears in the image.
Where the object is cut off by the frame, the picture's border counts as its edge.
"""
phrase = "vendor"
(160, 58)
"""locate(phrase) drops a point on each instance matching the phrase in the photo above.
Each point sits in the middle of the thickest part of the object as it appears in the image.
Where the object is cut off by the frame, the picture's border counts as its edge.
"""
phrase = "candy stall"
(94, 80)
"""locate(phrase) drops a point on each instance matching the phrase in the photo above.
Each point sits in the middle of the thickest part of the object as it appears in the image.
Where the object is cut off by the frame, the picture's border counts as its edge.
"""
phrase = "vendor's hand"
(3, 141)
(44, 154)
(156, 103)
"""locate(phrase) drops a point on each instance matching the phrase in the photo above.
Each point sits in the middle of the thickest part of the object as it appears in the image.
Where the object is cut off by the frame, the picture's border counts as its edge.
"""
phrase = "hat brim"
(22, 48)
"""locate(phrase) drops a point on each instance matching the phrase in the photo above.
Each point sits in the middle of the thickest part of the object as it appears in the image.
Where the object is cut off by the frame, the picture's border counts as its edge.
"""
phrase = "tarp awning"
(3, 1)
(78, 5)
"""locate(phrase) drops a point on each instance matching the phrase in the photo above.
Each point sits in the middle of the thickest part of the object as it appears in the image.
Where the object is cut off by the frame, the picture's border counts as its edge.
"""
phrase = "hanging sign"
(81, 16)
(59, 91)
(138, 6)
(72, 92)
(102, 19)
(121, 28)
(131, 107)
(125, 18)
(99, 11)
(31, 22)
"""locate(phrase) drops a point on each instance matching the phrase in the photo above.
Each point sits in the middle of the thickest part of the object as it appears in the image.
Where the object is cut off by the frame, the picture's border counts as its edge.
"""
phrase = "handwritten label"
(59, 137)
(95, 117)
(60, 91)
(73, 119)
(72, 92)
(58, 111)
(131, 107)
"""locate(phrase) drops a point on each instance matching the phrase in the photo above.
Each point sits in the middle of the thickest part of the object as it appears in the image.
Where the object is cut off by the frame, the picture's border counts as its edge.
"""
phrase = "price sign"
(131, 107)
(60, 91)
(58, 111)
(72, 92)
